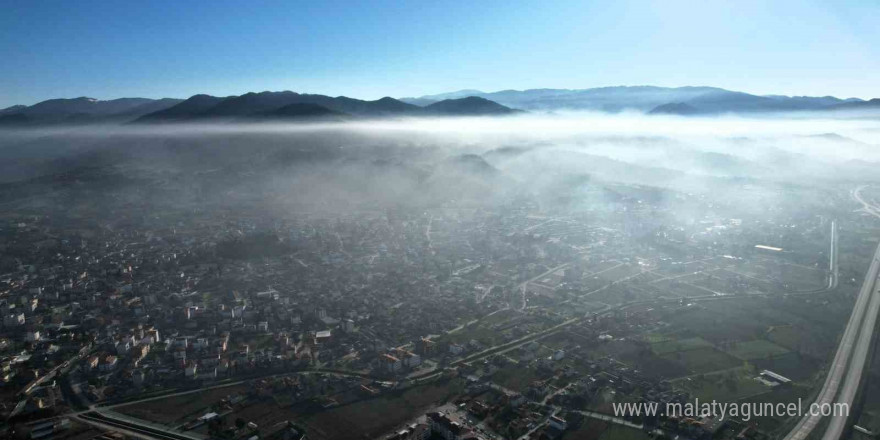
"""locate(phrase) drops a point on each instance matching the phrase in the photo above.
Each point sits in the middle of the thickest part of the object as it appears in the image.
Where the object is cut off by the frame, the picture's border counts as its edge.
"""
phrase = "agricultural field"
(791, 365)
(363, 416)
(592, 429)
(179, 409)
(779, 395)
(757, 349)
(723, 386)
(368, 418)
(786, 336)
(703, 360)
(671, 346)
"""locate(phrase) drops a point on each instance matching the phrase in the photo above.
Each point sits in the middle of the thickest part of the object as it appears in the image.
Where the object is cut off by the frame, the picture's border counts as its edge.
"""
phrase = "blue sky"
(111, 49)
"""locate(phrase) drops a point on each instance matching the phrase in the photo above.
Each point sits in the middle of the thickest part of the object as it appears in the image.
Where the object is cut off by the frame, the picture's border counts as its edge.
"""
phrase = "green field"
(790, 365)
(654, 338)
(665, 347)
(617, 432)
(179, 409)
(592, 429)
(372, 417)
(786, 336)
(757, 349)
(703, 360)
(367, 418)
(724, 386)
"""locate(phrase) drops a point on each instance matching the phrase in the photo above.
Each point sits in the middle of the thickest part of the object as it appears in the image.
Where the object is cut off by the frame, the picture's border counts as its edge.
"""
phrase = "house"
(140, 352)
(92, 362)
(323, 337)
(390, 363)
(444, 427)
(558, 423)
(424, 346)
(109, 363)
(201, 344)
(415, 431)
(153, 335)
(348, 325)
(191, 369)
(122, 347)
(410, 359)
(774, 378)
(13, 320)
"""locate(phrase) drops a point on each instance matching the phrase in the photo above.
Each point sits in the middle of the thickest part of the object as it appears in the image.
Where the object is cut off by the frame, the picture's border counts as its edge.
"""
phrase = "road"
(524, 286)
(857, 365)
(868, 207)
(845, 371)
(138, 430)
(858, 362)
(99, 416)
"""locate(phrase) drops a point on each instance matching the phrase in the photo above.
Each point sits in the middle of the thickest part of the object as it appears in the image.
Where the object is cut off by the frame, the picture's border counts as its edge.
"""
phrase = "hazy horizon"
(400, 49)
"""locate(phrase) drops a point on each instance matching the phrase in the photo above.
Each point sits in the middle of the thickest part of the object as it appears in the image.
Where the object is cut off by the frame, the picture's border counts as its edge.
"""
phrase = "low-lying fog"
(440, 160)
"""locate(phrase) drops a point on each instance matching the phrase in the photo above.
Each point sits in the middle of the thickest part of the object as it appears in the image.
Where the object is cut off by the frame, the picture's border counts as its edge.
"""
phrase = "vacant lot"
(369, 418)
(514, 377)
(179, 409)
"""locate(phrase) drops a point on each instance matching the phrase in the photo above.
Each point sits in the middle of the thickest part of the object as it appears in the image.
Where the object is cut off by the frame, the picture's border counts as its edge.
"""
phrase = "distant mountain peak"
(13, 109)
(646, 98)
(468, 106)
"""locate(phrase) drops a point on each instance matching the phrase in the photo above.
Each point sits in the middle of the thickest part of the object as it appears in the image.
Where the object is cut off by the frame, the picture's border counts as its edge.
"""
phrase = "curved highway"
(845, 371)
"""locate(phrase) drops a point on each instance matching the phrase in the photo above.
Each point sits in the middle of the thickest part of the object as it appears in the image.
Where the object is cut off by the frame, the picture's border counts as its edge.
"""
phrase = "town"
(512, 321)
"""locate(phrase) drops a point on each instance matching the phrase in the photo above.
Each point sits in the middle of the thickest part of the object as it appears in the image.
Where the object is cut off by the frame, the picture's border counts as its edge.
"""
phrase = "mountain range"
(250, 107)
(654, 100)
(83, 110)
(292, 106)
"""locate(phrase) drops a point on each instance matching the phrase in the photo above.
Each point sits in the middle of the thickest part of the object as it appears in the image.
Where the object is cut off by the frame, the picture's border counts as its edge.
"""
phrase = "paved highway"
(857, 364)
(139, 430)
(845, 371)
(837, 425)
